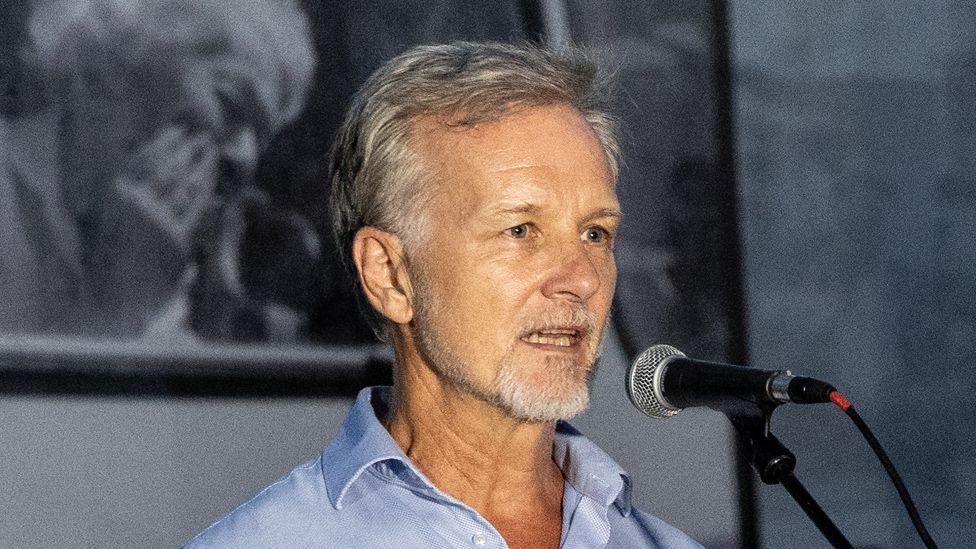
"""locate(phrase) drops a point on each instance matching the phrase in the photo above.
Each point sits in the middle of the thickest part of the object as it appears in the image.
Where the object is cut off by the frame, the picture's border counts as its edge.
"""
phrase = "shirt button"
(479, 539)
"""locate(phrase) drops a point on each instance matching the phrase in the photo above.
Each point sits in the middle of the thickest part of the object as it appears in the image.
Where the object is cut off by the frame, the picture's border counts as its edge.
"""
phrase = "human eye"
(596, 235)
(519, 231)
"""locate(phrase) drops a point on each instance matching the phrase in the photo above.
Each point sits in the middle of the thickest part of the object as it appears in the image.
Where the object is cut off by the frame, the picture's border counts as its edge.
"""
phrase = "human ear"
(378, 256)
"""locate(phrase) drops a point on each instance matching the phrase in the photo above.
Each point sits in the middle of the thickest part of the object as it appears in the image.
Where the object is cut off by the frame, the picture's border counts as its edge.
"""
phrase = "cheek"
(485, 294)
(610, 275)
(608, 285)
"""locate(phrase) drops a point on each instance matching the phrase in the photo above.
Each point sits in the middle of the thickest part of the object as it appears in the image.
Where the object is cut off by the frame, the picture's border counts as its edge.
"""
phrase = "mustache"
(578, 318)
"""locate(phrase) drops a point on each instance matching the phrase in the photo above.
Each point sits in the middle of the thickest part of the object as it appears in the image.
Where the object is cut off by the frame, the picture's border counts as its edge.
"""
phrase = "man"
(473, 193)
(155, 114)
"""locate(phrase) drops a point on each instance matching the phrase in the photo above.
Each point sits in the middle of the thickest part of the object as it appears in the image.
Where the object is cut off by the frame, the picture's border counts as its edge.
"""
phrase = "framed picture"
(165, 228)
(164, 187)
(164, 213)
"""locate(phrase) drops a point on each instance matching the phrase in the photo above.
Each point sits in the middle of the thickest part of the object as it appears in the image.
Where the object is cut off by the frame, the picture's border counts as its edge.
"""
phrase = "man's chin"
(538, 410)
(539, 401)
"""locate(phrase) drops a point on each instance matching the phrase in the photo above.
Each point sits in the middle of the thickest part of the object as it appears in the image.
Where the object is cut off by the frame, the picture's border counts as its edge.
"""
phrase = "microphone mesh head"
(643, 383)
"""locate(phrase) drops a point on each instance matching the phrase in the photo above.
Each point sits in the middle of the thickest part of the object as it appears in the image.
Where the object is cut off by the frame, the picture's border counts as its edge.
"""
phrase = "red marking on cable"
(840, 400)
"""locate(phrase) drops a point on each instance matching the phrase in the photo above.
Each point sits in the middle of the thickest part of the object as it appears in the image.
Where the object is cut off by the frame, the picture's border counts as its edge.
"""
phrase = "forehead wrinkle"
(481, 173)
(526, 196)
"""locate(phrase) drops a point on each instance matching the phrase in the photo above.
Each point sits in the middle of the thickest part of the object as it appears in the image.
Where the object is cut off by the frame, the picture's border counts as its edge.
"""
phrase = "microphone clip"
(771, 460)
(775, 463)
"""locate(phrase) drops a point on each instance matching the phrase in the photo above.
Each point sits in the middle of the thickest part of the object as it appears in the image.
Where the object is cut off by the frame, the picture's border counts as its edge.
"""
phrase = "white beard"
(564, 397)
(561, 394)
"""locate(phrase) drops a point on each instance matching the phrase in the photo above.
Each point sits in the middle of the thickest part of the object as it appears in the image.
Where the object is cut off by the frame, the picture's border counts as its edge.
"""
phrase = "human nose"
(575, 276)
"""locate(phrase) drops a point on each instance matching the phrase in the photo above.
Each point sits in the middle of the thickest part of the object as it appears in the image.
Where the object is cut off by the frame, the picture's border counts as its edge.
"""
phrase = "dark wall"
(856, 139)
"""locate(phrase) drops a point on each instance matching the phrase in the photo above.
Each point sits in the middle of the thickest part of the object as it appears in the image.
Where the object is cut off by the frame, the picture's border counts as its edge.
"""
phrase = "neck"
(470, 448)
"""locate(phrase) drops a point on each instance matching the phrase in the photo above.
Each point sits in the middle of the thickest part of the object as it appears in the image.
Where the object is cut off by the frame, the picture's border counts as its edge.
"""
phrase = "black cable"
(889, 468)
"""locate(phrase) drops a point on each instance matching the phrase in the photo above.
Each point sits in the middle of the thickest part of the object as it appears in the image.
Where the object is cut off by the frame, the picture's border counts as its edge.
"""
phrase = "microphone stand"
(775, 464)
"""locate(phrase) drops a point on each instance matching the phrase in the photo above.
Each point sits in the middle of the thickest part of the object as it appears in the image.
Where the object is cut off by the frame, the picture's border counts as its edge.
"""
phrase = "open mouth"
(555, 337)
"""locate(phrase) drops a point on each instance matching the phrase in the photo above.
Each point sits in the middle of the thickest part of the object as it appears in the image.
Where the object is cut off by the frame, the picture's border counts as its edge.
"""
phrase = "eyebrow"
(526, 207)
(519, 208)
(604, 212)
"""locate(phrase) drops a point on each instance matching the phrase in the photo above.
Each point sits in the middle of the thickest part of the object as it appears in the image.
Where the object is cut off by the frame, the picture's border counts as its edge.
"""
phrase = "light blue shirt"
(362, 491)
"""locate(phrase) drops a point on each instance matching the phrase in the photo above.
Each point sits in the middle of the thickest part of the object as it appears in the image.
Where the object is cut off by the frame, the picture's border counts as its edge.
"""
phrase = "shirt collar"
(363, 442)
(590, 470)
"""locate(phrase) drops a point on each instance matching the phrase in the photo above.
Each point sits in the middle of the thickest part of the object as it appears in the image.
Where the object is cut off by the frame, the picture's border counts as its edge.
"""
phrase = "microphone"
(663, 380)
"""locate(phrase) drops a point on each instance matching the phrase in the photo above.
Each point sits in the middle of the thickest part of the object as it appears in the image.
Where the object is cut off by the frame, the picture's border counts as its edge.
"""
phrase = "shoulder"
(280, 515)
(642, 529)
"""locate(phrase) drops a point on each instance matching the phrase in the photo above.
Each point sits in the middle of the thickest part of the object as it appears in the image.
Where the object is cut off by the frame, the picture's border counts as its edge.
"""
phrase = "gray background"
(856, 126)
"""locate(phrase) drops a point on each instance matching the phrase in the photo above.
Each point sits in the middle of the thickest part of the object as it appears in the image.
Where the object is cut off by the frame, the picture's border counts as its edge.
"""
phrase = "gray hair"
(251, 56)
(376, 179)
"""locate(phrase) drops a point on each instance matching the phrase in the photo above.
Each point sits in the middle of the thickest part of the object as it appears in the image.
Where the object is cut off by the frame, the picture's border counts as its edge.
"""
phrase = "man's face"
(515, 274)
